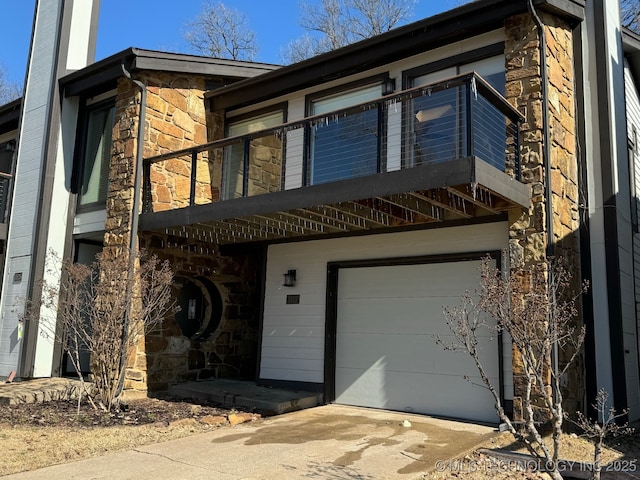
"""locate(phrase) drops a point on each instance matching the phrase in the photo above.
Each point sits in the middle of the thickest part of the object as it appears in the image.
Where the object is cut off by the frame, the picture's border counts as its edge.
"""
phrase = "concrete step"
(242, 394)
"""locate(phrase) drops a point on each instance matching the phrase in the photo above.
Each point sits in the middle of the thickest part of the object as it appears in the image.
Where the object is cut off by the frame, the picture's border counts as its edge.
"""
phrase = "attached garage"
(386, 321)
(359, 323)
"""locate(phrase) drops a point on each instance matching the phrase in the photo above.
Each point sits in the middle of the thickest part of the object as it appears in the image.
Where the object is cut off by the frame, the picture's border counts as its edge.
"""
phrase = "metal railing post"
(516, 154)
(245, 167)
(469, 118)
(147, 205)
(194, 175)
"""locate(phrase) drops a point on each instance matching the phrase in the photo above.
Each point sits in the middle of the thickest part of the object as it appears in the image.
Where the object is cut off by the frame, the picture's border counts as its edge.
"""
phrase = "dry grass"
(476, 466)
(29, 448)
(33, 436)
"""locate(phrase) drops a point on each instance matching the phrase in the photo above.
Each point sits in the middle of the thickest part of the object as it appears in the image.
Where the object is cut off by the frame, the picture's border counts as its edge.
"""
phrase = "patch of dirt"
(135, 412)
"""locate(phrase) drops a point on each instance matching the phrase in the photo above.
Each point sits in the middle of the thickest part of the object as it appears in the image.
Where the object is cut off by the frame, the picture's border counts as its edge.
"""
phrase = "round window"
(200, 308)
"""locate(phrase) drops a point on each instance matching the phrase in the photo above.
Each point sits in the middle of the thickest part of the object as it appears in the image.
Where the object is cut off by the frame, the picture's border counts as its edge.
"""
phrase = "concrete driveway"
(331, 441)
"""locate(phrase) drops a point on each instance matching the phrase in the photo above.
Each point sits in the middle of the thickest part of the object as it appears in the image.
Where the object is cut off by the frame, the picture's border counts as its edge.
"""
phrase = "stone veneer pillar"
(528, 230)
(175, 120)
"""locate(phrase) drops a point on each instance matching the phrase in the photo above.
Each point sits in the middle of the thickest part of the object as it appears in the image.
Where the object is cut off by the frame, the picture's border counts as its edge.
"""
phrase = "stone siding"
(176, 119)
(528, 230)
(231, 351)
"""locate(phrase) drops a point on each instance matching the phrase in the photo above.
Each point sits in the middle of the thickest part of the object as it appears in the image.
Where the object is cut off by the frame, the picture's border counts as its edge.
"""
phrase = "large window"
(233, 171)
(6, 164)
(96, 156)
(438, 121)
(435, 121)
(344, 146)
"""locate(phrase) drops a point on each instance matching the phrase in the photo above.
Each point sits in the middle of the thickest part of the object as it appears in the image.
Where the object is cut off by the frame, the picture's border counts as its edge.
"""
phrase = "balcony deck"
(457, 189)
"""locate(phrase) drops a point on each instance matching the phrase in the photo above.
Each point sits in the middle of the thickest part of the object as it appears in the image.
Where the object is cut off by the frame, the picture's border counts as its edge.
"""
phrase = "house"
(335, 205)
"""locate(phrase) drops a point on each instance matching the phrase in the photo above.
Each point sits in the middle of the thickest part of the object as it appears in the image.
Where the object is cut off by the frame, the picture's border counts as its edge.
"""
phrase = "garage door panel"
(434, 280)
(442, 395)
(381, 315)
(408, 353)
(386, 355)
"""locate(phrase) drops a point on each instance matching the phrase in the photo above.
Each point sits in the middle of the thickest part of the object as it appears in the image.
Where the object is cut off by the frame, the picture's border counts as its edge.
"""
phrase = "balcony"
(439, 153)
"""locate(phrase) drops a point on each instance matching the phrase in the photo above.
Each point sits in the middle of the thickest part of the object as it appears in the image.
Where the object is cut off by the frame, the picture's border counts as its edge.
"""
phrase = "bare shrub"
(536, 307)
(597, 431)
(103, 310)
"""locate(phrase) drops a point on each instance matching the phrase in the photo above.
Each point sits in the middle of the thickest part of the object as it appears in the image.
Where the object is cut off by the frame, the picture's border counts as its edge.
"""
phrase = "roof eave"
(442, 29)
(10, 115)
(104, 73)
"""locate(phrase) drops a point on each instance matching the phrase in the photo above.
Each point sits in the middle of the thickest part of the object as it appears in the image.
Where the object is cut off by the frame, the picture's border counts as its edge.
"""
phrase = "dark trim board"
(591, 381)
(331, 309)
(262, 279)
(606, 114)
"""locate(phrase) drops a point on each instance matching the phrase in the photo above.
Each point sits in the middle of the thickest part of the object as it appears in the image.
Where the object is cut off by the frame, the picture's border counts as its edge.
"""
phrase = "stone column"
(175, 120)
(528, 230)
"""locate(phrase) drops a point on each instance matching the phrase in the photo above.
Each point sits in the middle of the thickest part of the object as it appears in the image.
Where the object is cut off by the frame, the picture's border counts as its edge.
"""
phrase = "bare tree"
(630, 14)
(537, 309)
(301, 49)
(336, 23)
(9, 90)
(89, 304)
(222, 32)
(598, 430)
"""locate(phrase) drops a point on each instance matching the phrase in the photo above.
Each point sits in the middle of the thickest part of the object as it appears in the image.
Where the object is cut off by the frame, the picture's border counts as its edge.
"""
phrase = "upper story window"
(7, 150)
(237, 180)
(436, 123)
(342, 147)
(96, 155)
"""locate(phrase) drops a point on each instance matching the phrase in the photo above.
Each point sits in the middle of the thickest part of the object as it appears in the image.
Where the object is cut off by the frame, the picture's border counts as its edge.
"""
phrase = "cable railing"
(456, 118)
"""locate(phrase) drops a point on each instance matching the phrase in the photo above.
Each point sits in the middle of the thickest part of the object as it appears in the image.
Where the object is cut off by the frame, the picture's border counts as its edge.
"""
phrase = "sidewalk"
(325, 442)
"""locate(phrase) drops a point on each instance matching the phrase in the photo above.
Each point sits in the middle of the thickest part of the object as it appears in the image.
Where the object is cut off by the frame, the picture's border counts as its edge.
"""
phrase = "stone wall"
(231, 352)
(528, 230)
(265, 165)
(176, 119)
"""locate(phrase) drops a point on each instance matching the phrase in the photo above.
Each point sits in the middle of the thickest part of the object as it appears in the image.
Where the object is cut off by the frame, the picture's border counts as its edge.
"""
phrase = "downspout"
(135, 212)
(546, 138)
(546, 151)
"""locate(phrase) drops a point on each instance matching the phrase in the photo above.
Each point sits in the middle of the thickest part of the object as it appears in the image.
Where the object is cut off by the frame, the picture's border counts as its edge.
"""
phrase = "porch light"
(290, 279)
(433, 113)
(388, 86)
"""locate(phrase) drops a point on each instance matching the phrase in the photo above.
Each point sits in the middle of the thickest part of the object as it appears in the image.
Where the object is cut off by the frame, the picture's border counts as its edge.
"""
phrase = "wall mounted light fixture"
(388, 86)
(289, 279)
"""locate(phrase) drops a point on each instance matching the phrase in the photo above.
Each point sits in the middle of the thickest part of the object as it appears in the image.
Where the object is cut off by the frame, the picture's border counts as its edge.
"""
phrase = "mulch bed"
(136, 412)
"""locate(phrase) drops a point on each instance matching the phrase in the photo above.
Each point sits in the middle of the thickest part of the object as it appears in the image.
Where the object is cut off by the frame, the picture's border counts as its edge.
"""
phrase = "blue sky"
(159, 25)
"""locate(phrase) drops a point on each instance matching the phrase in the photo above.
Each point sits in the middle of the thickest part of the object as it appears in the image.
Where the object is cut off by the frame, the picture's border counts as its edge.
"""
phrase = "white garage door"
(386, 356)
